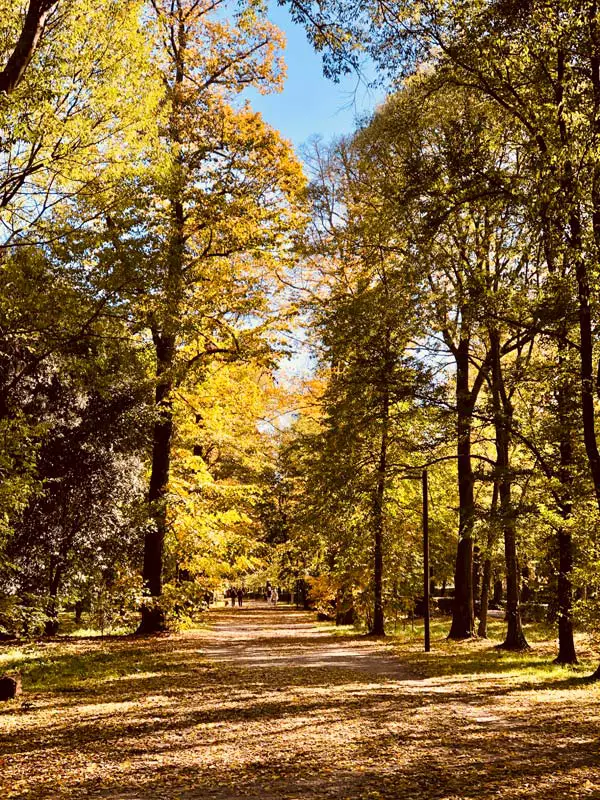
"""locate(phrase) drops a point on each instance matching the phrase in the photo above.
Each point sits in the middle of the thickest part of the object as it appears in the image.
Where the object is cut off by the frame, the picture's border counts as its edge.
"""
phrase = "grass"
(481, 656)
(85, 657)
(83, 665)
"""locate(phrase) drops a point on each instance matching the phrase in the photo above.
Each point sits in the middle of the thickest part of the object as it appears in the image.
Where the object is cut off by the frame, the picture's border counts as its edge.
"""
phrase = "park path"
(262, 637)
(266, 705)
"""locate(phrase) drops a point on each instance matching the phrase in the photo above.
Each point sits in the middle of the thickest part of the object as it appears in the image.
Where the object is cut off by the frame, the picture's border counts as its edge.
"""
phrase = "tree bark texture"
(486, 578)
(20, 58)
(503, 420)
(152, 615)
(463, 617)
(566, 643)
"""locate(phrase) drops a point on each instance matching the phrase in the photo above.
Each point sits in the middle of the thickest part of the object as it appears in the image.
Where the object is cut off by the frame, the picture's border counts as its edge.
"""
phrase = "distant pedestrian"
(240, 596)
(274, 596)
(268, 593)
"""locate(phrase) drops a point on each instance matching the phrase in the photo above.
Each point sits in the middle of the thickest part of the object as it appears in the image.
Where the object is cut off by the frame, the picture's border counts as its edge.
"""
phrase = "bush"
(182, 603)
(115, 602)
(322, 594)
(22, 616)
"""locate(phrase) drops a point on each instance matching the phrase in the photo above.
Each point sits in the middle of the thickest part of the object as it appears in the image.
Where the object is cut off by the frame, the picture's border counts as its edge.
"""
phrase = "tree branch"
(33, 27)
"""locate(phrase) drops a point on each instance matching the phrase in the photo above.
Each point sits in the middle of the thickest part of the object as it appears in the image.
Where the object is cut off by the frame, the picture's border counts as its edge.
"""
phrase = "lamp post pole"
(426, 561)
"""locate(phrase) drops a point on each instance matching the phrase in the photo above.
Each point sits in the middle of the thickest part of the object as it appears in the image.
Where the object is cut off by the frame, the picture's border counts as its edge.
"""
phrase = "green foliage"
(24, 615)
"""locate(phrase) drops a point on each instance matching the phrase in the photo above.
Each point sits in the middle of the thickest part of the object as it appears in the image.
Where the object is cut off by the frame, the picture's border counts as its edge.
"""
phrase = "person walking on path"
(240, 596)
(274, 596)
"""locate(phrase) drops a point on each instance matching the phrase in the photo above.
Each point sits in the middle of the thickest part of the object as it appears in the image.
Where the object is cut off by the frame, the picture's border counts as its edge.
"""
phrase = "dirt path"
(268, 706)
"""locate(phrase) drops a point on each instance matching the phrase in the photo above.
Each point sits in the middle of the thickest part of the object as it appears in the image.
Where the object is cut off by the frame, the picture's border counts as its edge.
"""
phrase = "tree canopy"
(160, 247)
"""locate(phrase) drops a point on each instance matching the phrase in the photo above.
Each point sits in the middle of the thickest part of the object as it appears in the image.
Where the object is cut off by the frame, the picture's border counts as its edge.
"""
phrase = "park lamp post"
(426, 619)
(424, 484)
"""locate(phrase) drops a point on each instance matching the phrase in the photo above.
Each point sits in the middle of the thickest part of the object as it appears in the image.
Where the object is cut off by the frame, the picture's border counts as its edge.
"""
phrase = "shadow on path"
(267, 705)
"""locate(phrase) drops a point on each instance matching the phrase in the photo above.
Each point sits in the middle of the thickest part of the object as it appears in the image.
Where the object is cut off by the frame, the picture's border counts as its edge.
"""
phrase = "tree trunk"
(463, 619)
(498, 592)
(463, 616)
(33, 27)
(583, 279)
(165, 342)
(486, 579)
(378, 627)
(586, 351)
(566, 644)
(565, 390)
(51, 625)
(503, 420)
(153, 619)
(476, 571)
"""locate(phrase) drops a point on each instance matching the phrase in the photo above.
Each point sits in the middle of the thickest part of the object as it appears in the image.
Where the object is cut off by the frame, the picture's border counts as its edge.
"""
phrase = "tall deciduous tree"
(366, 322)
(198, 234)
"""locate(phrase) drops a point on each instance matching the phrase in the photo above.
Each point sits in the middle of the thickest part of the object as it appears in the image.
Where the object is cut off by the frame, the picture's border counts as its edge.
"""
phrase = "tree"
(80, 112)
(539, 63)
(78, 420)
(223, 457)
(365, 318)
(195, 237)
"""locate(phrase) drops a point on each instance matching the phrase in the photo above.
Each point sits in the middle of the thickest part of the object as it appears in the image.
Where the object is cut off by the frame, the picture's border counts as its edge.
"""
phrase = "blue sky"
(311, 105)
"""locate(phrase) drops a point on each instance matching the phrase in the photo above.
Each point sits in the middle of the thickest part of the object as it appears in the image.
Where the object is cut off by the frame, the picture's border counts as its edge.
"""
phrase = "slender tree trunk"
(165, 342)
(484, 603)
(566, 643)
(564, 403)
(498, 592)
(586, 350)
(577, 250)
(583, 278)
(52, 624)
(153, 619)
(476, 572)
(378, 627)
(463, 617)
(486, 579)
(594, 29)
(503, 420)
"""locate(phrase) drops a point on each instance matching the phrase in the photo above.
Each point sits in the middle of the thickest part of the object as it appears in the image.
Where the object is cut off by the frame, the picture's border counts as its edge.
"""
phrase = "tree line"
(161, 247)
(453, 276)
(146, 211)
